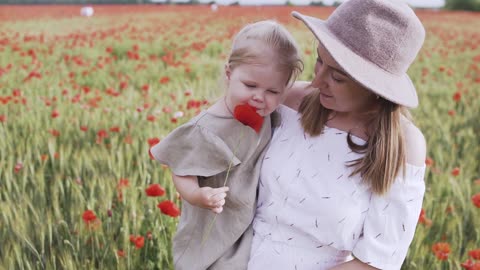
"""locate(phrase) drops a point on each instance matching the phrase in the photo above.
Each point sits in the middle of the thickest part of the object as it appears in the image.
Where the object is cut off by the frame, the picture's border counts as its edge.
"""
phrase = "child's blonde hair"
(275, 37)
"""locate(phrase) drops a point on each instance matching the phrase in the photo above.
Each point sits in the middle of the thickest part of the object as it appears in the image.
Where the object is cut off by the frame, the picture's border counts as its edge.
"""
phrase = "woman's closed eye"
(337, 77)
(249, 85)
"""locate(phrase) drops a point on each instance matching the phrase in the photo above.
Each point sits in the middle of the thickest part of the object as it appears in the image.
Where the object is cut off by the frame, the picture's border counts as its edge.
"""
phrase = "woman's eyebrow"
(334, 68)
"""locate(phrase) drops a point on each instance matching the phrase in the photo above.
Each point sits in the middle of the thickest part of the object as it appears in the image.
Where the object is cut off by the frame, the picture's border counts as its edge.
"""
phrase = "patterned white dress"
(312, 215)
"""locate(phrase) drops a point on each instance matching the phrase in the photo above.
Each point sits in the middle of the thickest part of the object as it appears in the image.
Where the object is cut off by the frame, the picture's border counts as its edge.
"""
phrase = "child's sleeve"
(194, 150)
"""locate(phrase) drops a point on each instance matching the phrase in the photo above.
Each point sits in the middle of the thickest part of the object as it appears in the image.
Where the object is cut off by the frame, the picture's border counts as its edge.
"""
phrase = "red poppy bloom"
(469, 265)
(423, 219)
(123, 183)
(55, 114)
(18, 167)
(155, 190)
(441, 250)
(115, 129)
(428, 162)
(54, 132)
(248, 116)
(83, 128)
(88, 216)
(3, 118)
(101, 134)
(169, 208)
(456, 171)
(138, 241)
(474, 254)
(476, 200)
(457, 96)
(153, 141)
(151, 118)
(121, 253)
(164, 80)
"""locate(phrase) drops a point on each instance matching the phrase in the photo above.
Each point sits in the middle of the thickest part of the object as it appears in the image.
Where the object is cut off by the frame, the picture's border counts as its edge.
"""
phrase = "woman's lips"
(325, 95)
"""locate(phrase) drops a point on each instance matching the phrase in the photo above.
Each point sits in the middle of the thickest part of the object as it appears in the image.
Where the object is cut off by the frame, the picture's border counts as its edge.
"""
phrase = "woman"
(343, 175)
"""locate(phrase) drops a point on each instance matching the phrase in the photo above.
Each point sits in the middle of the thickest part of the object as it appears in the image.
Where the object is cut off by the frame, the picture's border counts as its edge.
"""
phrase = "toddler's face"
(260, 85)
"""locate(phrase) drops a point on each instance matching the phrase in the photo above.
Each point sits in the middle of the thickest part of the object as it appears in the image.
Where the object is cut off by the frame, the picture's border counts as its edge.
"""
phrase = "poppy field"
(82, 99)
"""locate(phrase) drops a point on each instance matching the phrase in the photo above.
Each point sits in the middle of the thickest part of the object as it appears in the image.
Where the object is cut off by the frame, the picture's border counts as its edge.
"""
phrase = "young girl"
(263, 61)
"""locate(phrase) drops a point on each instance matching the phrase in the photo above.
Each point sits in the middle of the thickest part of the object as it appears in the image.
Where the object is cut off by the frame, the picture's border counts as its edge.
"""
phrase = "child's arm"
(204, 197)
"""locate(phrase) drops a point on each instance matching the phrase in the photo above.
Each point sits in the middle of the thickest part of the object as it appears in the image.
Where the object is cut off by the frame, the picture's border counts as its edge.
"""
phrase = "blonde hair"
(276, 38)
(384, 153)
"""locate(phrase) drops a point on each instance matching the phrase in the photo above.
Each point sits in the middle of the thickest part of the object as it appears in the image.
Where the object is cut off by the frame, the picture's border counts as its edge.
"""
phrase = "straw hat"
(374, 41)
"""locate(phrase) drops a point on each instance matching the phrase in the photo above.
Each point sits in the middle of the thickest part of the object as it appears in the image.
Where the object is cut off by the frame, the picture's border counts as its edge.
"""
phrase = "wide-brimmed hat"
(374, 41)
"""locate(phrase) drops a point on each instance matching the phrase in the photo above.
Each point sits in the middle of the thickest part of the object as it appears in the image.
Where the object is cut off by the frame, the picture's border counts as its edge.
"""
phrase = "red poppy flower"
(248, 116)
(89, 216)
(18, 167)
(474, 254)
(3, 118)
(54, 132)
(441, 250)
(121, 253)
(457, 96)
(155, 190)
(476, 200)
(139, 241)
(55, 114)
(164, 80)
(428, 162)
(169, 208)
(101, 134)
(469, 265)
(151, 118)
(456, 171)
(423, 219)
(153, 141)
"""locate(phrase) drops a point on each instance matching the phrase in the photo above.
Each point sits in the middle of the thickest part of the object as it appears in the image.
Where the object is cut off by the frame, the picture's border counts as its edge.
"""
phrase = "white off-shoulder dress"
(312, 215)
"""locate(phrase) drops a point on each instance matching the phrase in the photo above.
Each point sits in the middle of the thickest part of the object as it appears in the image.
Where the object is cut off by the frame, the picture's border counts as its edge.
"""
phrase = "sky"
(414, 3)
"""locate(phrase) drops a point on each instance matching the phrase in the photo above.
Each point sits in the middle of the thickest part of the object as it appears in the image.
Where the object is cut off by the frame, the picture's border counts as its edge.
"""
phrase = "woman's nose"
(319, 79)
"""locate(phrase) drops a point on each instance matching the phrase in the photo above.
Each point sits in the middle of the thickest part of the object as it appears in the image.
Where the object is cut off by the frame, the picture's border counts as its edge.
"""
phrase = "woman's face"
(338, 92)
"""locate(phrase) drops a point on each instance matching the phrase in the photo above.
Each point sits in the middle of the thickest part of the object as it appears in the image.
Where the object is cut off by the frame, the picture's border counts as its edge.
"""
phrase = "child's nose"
(258, 96)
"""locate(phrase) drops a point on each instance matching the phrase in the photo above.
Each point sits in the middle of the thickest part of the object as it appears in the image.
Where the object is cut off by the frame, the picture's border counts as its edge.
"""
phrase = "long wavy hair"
(384, 152)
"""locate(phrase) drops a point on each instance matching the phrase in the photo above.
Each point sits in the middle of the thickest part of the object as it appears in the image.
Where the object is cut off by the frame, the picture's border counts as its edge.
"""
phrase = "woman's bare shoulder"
(416, 147)
(295, 94)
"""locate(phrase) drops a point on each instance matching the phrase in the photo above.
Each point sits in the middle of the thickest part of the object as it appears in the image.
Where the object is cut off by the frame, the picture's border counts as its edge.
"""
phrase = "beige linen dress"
(204, 147)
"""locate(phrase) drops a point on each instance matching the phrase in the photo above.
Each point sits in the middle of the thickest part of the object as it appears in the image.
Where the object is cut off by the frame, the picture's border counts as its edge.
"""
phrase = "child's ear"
(228, 71)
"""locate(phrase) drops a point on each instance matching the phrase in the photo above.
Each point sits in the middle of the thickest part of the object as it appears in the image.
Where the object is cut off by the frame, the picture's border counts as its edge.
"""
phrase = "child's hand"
(210, 198)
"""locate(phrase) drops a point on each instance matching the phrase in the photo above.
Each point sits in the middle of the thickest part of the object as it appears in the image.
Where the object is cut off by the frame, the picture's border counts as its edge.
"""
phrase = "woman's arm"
(295, 94)
(354, 265)
(415, 146)
(204, 197)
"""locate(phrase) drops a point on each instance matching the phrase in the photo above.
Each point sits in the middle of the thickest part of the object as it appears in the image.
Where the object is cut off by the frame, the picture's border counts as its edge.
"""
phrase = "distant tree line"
(472, 5)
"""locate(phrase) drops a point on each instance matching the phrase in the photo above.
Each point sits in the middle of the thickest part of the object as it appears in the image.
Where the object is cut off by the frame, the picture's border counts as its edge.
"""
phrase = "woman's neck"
(355, 124)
